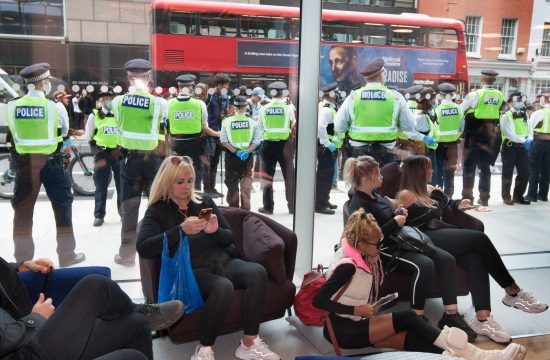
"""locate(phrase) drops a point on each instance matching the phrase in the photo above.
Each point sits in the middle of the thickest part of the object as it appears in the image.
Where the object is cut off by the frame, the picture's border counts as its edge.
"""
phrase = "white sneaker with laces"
(491, 329)
(258, 351)
(203, 353)
(524, 301)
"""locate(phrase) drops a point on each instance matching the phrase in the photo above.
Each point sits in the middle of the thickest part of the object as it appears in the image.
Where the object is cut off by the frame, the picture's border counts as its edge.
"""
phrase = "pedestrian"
(37, 126)
(240, 136)
(373, 114)
(86, 105)
(426, 124)
(254, 106)
(188, 126)
(102, 133)
(217, 110)
(539, 153)
(139, 115)
(277, 121)
(451, 126)
(94, 319)
(327, 150)
(77, 113)
(482, 112)
(515, 144)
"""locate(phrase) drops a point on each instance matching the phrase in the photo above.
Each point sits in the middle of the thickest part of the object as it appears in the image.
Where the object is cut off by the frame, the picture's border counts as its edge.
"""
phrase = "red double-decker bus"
(255, 44)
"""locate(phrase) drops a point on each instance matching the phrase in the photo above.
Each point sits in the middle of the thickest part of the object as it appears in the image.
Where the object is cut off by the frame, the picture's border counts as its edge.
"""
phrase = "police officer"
(374, 114)
(406, 145)
(37, 126)
(139, 115)
(514, 130)
(451, 125)
(277, 120)
(482, 113)
(102, 133)
(426, 124)
(539, 153)
(240, 135)
(188, 122)
(327, 149)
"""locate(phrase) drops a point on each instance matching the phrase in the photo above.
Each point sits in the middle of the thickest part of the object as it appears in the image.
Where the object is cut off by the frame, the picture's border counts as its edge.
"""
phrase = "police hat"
(330, 87)
(489, 73)
(412, 91)
(138, 67)
(277, 85)
(517, 96)
(106, 92)
(426, 93)
(374, 68)
(446, 88)
(239, 100)
(186, 79)
(36, 72)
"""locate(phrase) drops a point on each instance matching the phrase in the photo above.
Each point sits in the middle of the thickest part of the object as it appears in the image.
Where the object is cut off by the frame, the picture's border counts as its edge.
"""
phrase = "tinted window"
(375, 33)
(216, 25)
(441, 38)
(263, 27)
(405, 35)
(341, 32)
(32, 18)
(182, 23)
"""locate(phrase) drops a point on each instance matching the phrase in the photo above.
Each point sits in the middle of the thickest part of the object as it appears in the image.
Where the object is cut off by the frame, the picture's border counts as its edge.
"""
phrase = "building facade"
(539, 47)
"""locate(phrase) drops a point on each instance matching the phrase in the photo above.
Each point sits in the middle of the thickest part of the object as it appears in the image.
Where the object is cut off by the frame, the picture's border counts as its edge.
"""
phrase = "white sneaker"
(524, 301)
(203, 353)
(491, 329)
(259, 350)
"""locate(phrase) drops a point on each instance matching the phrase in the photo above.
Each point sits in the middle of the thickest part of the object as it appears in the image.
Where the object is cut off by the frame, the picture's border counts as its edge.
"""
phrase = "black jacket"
(17, 323)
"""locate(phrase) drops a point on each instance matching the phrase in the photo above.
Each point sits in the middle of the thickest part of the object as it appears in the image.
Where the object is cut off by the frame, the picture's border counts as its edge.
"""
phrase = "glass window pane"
(341, 32)
(263, 27)
(182, 23)
(545, 48)
(375, 34)
(218, 25)
(441, 38)
(405, 35)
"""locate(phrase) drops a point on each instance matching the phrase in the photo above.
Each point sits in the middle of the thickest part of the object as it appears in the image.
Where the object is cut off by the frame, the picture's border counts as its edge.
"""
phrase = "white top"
(62, 115)
(405, 123)
(534, 120)
(507, 127)
(324, 119)
(76, 108)
(256, 139)
(255, 110)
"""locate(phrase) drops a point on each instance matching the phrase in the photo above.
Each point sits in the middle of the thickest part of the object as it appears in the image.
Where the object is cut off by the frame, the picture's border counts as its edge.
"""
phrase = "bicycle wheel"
(7, 177)
(82, 181)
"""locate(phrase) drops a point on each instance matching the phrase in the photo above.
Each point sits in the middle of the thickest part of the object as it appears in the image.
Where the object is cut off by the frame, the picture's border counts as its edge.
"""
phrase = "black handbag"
(411, 239)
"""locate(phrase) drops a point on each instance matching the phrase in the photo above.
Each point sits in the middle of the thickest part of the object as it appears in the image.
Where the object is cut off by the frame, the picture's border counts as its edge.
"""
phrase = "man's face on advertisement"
(340, 64)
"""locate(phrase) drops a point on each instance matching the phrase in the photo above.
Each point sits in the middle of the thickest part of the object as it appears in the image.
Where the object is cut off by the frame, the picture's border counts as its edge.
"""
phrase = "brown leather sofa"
(399, 282)
(280, 296)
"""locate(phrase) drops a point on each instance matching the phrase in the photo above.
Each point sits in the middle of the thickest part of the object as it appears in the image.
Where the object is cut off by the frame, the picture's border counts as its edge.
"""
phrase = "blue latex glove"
(239, 153)
(429, 141)
(332, 147)
(245, 155)
(527, 144)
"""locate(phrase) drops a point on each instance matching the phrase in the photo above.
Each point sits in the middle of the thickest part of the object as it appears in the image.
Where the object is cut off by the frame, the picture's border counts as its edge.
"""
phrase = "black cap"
(374, 68)
(138, 67)
(108, 92)
(412, 91)
(427, 93)
(239, 100)
(446, 88)
(277, 85)
(517, 96)
(36, 72)
(186, 79)
(330, 87)
(489, 73)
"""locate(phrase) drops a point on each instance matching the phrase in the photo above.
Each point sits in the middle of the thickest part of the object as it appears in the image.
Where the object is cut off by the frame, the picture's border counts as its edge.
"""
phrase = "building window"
(44, 18)
(475, 83)
(508, 37)
(537, 86)
(473, 35)
(545, 49)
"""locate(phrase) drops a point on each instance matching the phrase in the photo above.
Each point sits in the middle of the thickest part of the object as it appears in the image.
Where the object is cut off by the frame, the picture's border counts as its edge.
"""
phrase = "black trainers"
(457, 320)
(98, 221)
(265, 211)
(162, 316)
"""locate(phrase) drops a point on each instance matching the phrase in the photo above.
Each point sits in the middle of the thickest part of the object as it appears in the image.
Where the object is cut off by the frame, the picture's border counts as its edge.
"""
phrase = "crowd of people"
(169, 149)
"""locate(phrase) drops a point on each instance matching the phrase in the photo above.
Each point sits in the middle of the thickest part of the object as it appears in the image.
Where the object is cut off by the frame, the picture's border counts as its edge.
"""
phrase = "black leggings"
(352, 334)
(423, 269)
(218, 294)
(475, 252)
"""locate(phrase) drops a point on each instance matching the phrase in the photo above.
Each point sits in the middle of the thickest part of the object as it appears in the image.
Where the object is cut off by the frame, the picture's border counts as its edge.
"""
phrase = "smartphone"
(386, 299)
(205, 214)
(470, 207)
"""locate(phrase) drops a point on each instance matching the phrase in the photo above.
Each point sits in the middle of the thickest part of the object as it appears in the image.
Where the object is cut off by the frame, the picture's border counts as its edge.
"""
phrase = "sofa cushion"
(264, 246)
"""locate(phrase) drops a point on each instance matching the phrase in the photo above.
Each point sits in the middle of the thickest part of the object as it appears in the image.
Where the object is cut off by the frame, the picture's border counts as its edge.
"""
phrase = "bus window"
(402, 35)
(263, 27)
(215, 25)
(341, 32)
(294, 33)
(441, 38)
(375, 33)
(182, 23)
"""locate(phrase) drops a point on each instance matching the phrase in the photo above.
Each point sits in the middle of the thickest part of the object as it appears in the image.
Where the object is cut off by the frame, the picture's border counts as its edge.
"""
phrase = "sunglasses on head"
(176, 160)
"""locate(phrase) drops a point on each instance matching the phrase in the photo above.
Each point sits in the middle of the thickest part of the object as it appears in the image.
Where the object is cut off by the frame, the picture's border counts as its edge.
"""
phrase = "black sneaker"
(98, 221)
(263, 210)
(457, 320)
(162, 316)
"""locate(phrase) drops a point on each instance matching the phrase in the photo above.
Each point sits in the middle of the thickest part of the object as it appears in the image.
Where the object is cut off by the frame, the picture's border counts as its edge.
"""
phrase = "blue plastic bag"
(177, 281)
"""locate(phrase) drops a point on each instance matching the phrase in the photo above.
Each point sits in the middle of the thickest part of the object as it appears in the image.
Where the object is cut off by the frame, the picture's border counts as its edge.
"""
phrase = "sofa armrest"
(150, 275)
(461, 219)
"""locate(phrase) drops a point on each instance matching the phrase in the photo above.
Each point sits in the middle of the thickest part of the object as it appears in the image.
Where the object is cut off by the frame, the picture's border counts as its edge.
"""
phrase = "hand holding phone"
(205, 214)
(470, 207)
(386, 299)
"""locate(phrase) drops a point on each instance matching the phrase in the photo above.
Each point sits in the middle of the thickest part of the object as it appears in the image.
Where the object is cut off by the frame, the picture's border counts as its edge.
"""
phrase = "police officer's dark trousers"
(32, 171)
(514, 155)
(378, 151)
(238, 174)
(324, 176)
(479, 135)
(194, 148)
(278, 152)
(446, 161)
(539, 167)
(137, 171)
(106, 167)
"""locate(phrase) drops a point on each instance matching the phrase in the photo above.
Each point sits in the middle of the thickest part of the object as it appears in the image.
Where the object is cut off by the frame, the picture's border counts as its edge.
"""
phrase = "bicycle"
(79, 167)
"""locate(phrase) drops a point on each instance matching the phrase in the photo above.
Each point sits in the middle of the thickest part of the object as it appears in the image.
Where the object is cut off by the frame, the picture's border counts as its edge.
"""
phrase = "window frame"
(477, 53)
(545, 31)
(24, 27)
(512, 54)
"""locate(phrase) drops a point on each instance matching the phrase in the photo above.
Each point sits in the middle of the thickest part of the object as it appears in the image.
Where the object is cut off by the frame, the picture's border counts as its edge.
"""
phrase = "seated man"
(96, 318)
